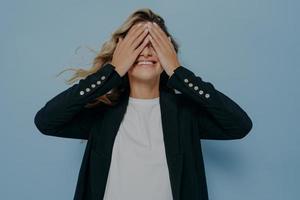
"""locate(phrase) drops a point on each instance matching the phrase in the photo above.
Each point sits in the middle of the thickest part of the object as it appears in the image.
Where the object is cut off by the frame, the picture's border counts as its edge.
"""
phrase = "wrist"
(172, 71)
(117, 69)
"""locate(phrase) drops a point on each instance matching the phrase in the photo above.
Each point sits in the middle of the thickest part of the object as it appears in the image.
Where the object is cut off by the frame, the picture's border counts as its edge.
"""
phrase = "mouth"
(145, 63)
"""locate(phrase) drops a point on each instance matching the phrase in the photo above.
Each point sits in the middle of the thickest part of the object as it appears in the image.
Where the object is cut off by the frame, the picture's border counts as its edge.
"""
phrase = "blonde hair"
(105, 55)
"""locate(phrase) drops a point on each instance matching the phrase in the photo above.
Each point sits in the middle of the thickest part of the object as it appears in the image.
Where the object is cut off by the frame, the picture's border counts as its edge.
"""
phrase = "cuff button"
(93, 85)
(81, 93)
(186, 80)
(102, 77)
(200, 92)
(196, 87)
(98, 82)
(207, 95)
(191, 84)
(87, 89)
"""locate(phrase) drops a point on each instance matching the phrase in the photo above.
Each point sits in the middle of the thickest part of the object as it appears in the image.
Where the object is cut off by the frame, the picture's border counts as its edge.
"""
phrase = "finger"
(170, 41)
(129, 33)
(154, 33)
(139, 39)
(157, 36)
(133, 28)
(120, 39)
(155, 44)
(141, 47)
(133, 37)
(159, 30)
(171, 44)
(161, 34)
(166, 40)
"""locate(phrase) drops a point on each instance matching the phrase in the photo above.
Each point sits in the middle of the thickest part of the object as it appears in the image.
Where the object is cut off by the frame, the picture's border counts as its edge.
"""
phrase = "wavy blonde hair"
(105, 55)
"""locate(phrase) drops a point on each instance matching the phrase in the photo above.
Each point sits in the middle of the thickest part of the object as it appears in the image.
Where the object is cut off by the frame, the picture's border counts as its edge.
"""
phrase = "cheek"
(160, 66)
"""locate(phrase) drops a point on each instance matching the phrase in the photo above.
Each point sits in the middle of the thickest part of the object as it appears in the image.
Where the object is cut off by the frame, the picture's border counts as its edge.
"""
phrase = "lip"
(153, 61)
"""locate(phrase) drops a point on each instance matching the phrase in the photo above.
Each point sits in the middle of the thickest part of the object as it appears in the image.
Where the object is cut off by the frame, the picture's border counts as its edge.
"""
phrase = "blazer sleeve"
(65, 115)
(218, 116)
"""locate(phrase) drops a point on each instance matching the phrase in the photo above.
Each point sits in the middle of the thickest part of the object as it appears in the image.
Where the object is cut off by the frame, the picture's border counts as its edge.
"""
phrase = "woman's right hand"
(129, 48)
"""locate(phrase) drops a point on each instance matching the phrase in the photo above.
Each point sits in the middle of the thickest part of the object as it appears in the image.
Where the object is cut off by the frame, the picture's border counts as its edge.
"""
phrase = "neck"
(144, 89)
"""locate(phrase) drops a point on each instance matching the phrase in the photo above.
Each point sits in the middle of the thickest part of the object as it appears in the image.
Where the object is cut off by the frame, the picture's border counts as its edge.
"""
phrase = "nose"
(147, 51)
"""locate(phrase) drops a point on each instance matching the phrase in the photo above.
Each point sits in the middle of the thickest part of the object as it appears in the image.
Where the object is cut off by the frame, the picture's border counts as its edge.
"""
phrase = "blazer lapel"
(172, 139)
(169, 116)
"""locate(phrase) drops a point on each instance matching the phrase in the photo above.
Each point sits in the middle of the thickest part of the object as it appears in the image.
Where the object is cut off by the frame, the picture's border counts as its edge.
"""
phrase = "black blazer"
(197, 111)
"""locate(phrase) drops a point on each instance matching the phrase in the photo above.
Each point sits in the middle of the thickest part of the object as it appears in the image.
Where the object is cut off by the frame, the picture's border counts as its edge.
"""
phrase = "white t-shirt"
(138, 169)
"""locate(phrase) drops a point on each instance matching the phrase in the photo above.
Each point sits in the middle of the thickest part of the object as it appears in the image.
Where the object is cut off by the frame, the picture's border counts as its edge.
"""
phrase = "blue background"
(248, 49)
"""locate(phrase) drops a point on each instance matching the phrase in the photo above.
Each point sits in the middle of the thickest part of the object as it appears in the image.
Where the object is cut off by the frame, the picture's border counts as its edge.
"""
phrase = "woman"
(143, 114)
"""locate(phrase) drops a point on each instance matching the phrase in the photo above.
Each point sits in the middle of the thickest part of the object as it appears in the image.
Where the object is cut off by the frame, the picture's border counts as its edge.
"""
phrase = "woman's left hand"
(164, 48)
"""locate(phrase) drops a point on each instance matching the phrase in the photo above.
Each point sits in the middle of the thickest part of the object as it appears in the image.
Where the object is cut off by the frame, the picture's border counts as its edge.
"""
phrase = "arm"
(65, 116)
(218, 116)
